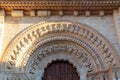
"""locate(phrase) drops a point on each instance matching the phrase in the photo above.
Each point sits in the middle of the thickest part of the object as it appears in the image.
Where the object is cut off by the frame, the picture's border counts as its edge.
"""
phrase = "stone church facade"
(82, 33)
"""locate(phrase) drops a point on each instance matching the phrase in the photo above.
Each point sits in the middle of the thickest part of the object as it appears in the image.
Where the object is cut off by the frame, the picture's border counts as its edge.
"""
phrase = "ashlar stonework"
(35, 34)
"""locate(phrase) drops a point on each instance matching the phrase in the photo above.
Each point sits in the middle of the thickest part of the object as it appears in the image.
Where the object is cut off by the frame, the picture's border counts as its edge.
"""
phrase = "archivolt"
(65, 48)
(24, 44)
(44, 62)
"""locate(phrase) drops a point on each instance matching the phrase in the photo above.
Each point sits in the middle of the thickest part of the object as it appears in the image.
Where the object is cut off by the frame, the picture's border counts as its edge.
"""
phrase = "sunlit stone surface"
(34, 34)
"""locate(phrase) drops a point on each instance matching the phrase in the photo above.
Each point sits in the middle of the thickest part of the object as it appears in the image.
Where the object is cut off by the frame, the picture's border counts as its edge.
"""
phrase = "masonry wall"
(104, 25)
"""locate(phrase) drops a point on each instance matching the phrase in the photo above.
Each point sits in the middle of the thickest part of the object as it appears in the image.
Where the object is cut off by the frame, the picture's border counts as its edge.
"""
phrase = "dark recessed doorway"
(60, 70)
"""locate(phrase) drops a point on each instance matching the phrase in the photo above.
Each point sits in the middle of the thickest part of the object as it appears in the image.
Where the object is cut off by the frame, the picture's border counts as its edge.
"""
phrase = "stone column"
(82, 74)
(38, 75)
(2, 15)
(116, 17)
(115, 74)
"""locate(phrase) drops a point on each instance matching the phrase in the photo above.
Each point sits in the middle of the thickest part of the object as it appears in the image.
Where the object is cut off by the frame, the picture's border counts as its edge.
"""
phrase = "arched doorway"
(60, 70)
(36, 44)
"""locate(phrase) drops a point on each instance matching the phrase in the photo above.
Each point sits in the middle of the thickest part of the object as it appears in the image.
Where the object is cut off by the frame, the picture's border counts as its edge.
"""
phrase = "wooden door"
(60, 70)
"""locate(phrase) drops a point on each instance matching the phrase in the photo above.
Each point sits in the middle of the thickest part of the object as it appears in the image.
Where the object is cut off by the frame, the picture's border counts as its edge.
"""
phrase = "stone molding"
(55, 6)
(45, 61)
(91, 51)
(43, 52)
(58, 4)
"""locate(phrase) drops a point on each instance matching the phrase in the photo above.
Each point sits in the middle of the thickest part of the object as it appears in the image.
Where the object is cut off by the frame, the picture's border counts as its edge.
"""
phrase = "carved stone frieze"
(59, 48)
(68, 6)
(92, 52)
(45, 61)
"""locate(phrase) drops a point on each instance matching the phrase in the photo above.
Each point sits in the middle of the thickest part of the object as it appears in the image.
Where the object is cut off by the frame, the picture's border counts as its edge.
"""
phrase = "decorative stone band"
(67, 6)
(47, 13)
(64, 49)
(26, 41)
(101, 75)
(45, 61)
(60, 4)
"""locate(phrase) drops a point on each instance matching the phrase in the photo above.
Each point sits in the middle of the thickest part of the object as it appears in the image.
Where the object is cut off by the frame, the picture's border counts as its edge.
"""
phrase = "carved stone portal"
(37, 46)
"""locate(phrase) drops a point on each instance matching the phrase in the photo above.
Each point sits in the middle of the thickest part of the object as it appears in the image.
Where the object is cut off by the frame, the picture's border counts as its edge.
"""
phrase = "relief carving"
(49, 50)
(37, 31)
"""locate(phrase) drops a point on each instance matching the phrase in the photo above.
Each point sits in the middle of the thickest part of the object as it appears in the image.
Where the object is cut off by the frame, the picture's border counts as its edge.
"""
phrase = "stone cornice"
(54, 6)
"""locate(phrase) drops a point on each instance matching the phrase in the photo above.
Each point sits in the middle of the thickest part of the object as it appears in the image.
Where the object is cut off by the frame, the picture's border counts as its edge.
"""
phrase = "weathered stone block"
(75, 13)
(32, 13)
(87, 13)
(61, 13)
(2, 12)
(17, 13)
(43, 13)
(101, 13)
